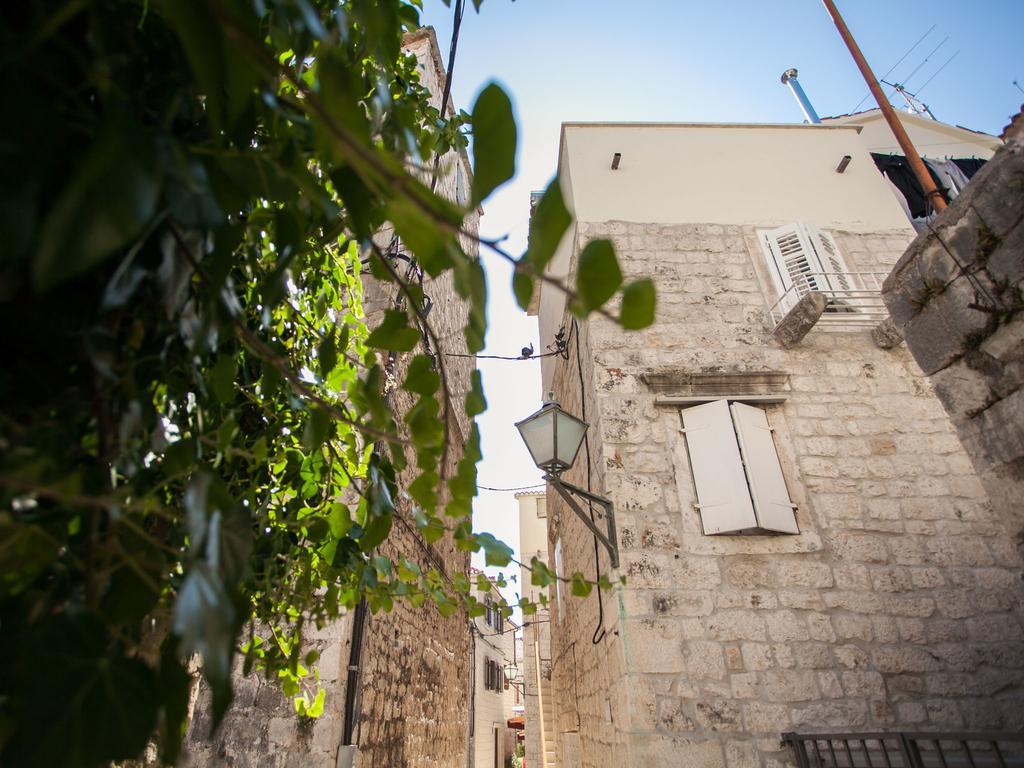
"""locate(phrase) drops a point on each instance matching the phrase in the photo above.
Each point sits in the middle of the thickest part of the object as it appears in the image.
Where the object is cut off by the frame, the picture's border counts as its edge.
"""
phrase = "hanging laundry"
(941, 169)
(899, 172)
(969, 165)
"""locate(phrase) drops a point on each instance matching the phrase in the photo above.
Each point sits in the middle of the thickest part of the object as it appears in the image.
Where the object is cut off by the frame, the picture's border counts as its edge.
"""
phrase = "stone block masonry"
(897, 606)
(957, 296)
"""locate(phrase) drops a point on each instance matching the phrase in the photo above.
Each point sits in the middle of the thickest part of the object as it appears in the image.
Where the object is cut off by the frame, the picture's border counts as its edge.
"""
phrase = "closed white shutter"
(722, 496)
(793, 261)
(837, 275)
(772, 505)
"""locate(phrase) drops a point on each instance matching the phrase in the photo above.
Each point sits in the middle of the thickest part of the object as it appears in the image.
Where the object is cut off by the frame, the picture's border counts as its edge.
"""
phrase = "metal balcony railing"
(855, 307)
(907, 750)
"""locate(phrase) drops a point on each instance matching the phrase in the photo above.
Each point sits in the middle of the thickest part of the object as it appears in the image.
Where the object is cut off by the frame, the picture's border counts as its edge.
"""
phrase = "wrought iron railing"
(907, 750)
(858, 306)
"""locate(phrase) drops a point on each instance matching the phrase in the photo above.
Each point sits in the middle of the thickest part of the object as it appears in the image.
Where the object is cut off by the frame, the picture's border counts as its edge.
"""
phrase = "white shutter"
(772, 505)
(837, 276)
(722, 496)
(793, 261)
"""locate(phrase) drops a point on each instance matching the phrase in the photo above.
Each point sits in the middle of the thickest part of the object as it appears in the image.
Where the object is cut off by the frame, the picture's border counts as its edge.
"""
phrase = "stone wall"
(412, 698)
(896, 607)
(957, 296)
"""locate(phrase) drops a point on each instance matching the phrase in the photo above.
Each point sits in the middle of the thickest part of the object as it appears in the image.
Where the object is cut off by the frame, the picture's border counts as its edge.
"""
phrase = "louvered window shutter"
(772, 505)
(722, 496)
(793, 262)
(837, 273)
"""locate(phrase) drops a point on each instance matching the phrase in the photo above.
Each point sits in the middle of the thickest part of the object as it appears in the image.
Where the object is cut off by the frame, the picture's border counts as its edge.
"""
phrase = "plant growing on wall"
(197, 454)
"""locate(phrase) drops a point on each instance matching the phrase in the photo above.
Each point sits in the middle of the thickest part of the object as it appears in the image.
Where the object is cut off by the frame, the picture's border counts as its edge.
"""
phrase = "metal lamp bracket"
(609, 539)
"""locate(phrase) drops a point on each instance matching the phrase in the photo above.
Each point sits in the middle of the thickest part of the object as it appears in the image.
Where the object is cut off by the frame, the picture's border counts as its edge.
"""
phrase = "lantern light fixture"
(553, 437)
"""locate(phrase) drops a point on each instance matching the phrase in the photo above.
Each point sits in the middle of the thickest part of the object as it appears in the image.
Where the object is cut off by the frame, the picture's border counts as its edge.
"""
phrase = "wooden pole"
(916, 163)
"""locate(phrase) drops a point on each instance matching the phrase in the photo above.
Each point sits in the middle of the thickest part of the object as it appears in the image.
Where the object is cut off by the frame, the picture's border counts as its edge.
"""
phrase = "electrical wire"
(909, 50)
(520, 488)
(506, 357)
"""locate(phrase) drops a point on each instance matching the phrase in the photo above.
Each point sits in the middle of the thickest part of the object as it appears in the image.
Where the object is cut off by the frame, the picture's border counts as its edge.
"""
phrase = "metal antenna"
(1018, 86)
(909, 51)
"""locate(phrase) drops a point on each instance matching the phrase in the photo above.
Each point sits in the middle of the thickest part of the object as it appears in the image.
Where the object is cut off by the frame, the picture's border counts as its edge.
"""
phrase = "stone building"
(956, 296)
(493, 698)
(806, 545)
(397, 684)
(539, 722)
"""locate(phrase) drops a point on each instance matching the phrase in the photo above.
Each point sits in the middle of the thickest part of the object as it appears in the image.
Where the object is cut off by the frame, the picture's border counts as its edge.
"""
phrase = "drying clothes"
(951, 178)
(969, 165)
(899, 172)
(899, 196)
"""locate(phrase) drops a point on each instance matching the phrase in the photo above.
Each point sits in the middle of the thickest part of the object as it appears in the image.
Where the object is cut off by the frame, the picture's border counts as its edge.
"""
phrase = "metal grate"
(907, 750)
(857, 304)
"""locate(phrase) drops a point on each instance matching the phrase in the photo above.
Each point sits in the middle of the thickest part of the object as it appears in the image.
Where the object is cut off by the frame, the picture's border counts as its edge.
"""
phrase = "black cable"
(456, 24)
(506, 357)
(520, 488)
(599, 630)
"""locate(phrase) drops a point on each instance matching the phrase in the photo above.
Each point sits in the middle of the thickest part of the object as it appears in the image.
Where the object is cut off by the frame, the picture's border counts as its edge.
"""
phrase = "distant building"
(494, 692)
(539, 715)
(806, 545)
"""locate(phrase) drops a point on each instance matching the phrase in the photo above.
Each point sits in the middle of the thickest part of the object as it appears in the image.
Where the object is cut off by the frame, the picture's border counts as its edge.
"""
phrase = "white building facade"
(805, 544)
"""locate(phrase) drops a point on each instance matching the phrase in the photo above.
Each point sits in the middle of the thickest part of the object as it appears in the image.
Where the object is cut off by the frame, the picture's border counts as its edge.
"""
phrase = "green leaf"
(598, 276)
(327, 354)
(421, 378)
(494, 142)
(206, 621)
(522, 287)
(548, 224)
(101, 705)
(580, 586)
(638, 302)
(106, 204)
(393, 333)
(222, 378)
(319, 426)
(476, 403)
(496, 552)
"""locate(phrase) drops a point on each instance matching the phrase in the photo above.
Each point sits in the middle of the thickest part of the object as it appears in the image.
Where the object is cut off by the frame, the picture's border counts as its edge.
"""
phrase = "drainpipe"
(789, 78)
(471, 720)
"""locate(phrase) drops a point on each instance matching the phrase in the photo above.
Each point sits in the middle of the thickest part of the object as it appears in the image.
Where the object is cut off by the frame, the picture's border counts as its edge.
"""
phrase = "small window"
(489, 606)
(542, 507)
(736, 470)
(802, 258)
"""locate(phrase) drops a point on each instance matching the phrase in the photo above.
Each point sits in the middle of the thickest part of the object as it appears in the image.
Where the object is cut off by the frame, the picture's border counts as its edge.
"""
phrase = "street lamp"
(553, 438)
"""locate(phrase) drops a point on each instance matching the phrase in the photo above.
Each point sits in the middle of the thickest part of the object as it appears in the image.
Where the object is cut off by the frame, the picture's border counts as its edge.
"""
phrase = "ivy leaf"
(638, 301)
(205, 620)
(522, 287)
(496, 552)
(494, 142)
(580, 586)
(476, 403)
(327, 354)
(598, 276)
(222, 378)
(107, 203)
(548, 224)
(101, 705)
(393, 333)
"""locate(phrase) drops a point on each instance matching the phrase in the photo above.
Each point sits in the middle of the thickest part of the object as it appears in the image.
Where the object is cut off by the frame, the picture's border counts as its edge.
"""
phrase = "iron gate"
(907, 750)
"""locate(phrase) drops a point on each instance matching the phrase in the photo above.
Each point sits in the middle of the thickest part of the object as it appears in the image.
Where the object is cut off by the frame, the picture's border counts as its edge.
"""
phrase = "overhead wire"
(904, 56)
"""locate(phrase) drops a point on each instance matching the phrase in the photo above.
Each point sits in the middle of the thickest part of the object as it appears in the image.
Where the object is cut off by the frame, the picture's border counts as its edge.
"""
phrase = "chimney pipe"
(789, 78)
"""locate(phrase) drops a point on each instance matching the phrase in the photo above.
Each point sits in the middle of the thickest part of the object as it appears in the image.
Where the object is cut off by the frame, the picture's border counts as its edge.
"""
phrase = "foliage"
(198, 449)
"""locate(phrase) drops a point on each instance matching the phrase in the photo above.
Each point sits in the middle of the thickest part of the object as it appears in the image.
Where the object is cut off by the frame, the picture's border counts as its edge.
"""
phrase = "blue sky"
(682, 61)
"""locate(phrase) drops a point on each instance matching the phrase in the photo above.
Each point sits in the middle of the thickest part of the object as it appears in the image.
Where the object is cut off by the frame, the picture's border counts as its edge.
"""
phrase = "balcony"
(830, 301)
